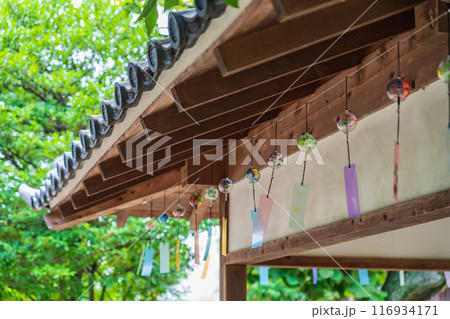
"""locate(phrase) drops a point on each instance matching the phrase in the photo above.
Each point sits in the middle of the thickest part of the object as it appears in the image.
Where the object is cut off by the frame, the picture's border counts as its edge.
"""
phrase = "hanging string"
(164, 210)
(253, 181)
(178, 213)
(274, 164)
(448, 83)
(346, 125)
(210, 203)
(195, 184)
(398, 97)
(306, 153)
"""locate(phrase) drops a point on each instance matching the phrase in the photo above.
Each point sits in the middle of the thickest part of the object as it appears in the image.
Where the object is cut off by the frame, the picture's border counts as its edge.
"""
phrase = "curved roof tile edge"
(185, 27)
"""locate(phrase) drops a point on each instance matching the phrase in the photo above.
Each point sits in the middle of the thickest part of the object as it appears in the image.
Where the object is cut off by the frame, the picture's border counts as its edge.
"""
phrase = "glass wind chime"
(444, 74)
(178, 212)
(306, 144)
(275, 160)
(397, 90)
(211, 193)
(196, 201)
(252, 176)
(346, 123)
(225, 187)
(164, 260)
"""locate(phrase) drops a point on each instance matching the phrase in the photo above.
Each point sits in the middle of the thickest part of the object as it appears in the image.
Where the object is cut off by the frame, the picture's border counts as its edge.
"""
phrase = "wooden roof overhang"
(241, 65)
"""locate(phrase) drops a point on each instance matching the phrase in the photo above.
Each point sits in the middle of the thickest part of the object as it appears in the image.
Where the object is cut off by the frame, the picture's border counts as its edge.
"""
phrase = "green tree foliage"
(296, 284)
(57, 61)
(149, 12)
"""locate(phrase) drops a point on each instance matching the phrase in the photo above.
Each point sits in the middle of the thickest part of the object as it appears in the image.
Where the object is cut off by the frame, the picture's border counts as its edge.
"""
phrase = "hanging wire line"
(398, 94)
(306, 153)
(275, 159)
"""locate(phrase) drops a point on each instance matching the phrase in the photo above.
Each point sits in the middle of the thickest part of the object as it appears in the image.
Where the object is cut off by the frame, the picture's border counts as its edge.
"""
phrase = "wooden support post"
(233, 278)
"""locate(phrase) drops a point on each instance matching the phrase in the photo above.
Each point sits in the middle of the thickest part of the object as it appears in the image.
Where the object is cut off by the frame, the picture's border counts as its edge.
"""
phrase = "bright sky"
(195, 287)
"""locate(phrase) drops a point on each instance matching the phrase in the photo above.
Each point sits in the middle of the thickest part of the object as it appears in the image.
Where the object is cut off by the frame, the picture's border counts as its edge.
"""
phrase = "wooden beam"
(132, 196)
(180, 153)
(432, 34)
(233, 122)
(270, 43)
(96, 184)
(211, 86)
(290, 81)
(410, 213)
(366, 95)
(289, 9)
(122, 218)
(358, 263)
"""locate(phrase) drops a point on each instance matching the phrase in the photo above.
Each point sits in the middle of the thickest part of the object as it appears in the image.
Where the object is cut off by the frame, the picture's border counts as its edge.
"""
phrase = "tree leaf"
(150, 21)
(169, 4)
(233, 3)
(148, 7)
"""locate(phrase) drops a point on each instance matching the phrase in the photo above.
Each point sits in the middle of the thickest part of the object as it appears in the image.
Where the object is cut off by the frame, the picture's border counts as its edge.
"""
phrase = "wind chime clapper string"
(397, 90)
(307, 130)
(253, 182)
(275, 159)
(346, 122)
(306, 142)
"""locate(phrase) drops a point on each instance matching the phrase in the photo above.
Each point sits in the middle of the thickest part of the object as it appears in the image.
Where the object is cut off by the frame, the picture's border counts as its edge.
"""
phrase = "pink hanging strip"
(196, 253)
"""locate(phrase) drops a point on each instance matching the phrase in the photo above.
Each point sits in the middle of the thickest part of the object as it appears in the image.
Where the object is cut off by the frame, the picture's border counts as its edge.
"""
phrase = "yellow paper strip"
(178, 255)
(224, 236)
(205, 267)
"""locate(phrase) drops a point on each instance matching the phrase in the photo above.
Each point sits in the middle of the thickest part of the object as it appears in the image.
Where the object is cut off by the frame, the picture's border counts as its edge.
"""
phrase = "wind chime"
(225, 187)
(397, 90)
(178, 212)
(346, 123)
(305, 143)
(211, 193)
(275, 160)
(146, 259)
(164, 259)
(252, 176)
(195, 201)
(444, 74)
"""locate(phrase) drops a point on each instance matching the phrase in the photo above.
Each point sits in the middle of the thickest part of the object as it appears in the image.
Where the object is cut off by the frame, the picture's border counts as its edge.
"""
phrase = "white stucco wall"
(422, 170)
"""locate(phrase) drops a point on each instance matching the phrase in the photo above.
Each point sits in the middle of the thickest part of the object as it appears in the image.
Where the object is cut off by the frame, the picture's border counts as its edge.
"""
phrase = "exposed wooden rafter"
(270, 43)
(211, 86)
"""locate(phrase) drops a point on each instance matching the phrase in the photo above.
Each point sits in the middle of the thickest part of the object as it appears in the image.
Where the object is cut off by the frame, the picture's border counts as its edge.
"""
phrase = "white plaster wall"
(430, 240)
(422, 170)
